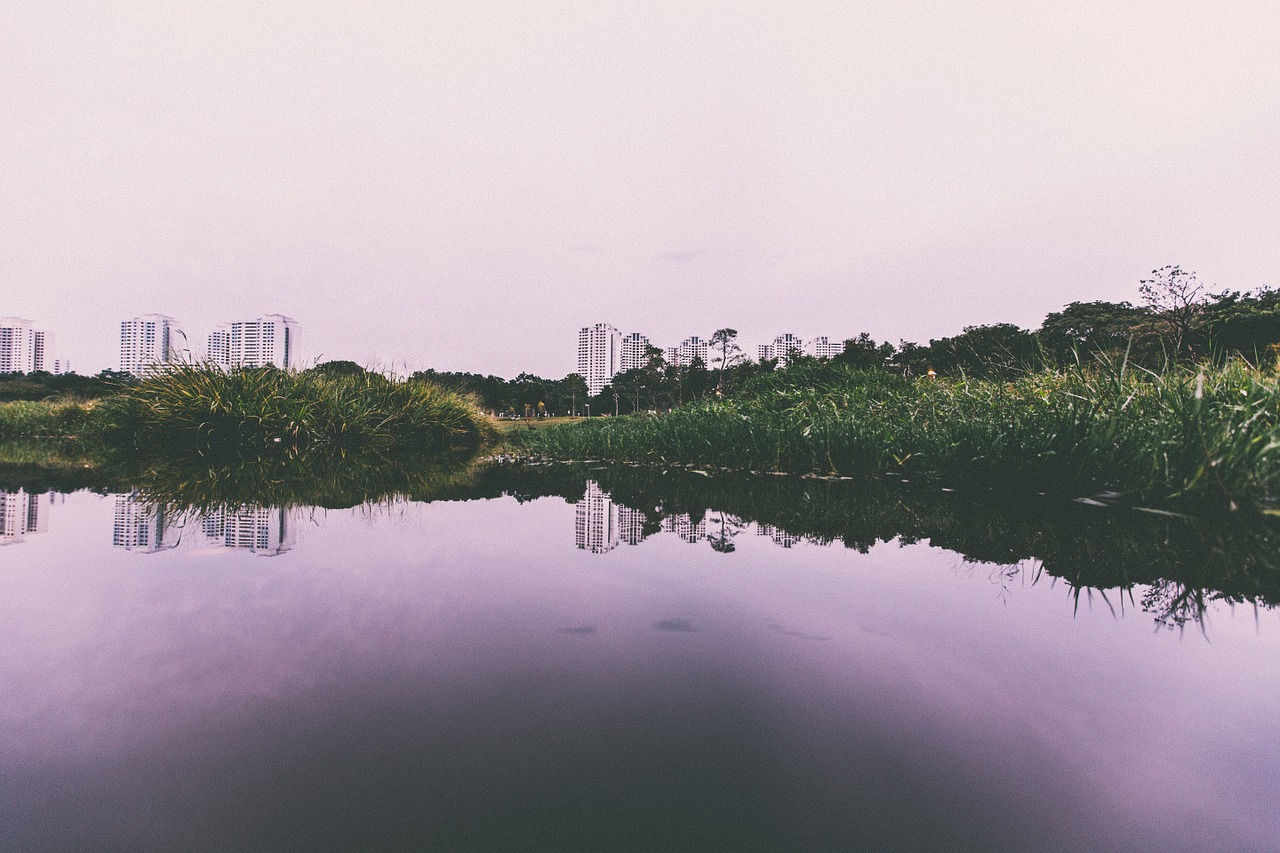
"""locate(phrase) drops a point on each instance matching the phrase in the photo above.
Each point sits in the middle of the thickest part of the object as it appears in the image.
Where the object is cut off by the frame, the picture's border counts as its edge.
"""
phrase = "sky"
(463, 186)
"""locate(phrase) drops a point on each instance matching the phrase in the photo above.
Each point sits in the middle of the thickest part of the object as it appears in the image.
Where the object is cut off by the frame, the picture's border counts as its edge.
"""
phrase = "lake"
(590, 658)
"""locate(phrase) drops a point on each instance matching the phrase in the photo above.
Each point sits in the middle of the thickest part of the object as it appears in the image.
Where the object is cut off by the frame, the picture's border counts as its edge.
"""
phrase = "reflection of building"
(139, 527)
(149, 341)
(777, 534)
(630, 525)
(265, 531)
(22, 513)
(596, 522)
(267, 341)
(682, 525)
(23, 349)
(599, 355)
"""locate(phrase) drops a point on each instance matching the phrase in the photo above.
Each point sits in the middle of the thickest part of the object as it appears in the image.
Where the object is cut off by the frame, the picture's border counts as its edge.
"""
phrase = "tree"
(726, 341)
(338, 368)
(864, 353)
(1084, 329)
(1177, 300)
(576, 388)
(1246, 324)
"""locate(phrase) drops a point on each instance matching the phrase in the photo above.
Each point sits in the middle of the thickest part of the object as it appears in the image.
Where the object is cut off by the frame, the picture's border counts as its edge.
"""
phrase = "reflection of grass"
(309, 479)
(1186, 562)
(1210, 436)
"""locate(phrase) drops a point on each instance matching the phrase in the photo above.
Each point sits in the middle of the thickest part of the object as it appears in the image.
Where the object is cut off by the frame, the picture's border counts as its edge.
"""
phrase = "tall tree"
(726, 342)
(1177, 300)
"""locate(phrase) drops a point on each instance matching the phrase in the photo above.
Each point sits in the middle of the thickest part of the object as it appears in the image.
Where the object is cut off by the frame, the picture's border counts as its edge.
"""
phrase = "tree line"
(1176, 320)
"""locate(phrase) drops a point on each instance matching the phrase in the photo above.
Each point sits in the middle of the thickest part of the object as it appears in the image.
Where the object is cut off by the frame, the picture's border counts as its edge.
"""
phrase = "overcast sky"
(463, 185)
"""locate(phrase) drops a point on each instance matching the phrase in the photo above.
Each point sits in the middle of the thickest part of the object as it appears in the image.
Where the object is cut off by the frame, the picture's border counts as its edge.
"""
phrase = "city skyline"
(437, 185)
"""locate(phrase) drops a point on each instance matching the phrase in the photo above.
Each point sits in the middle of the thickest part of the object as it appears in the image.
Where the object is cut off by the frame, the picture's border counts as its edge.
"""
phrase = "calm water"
(530, 662)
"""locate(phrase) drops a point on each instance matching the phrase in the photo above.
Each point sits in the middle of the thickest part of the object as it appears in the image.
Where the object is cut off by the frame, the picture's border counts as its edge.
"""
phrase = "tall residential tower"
(267, 341)
(599, 355)
(150, 341)
(23, 349)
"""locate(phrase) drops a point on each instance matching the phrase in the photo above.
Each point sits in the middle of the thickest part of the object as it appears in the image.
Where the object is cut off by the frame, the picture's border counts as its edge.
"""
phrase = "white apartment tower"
(148, 342)
(635, 349)
(689, 349)
(599, 355)
(267, 341)
(823, 347)
(782, 348)
(23, 349)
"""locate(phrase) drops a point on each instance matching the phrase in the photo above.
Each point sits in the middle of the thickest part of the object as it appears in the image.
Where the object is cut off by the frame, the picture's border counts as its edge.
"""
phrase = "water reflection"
(441, 670)
(1169, 566)
(21, 514)
(146, 527)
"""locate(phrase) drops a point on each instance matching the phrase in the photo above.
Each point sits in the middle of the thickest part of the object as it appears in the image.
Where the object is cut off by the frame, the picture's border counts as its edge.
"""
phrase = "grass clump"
(202, 408)
(1186, 434)
(43, 419)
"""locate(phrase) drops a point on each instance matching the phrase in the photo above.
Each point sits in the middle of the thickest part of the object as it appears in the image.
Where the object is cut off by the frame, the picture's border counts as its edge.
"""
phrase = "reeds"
(30, 419)
(1208, 435)
(201, 408)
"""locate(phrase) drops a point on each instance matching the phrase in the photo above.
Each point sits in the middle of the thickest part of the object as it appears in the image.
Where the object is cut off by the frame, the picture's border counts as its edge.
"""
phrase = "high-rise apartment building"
(635, 352)
(599, 355)
(782, 348)
(689, 349)
(23, 349)
(150, 341)
(267, 341)
(823, 347)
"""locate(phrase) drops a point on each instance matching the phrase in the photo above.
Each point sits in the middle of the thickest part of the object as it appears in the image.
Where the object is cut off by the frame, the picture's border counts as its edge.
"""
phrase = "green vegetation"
(42, 385)
(53, 419)
(206, 410)
(261, 410)
(1196, 435)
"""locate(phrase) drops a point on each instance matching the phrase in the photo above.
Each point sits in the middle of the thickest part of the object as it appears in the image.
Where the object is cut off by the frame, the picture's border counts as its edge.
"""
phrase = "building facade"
(823, 347)
(599, 355)
(23, 348)
(270, 341)
(782, 348)
(635, 352)
(148, 342)
(690, 348)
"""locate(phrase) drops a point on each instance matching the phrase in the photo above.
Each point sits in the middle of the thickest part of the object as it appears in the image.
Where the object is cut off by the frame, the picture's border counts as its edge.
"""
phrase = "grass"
(31, 419)
(1185, 435)
(267, 410)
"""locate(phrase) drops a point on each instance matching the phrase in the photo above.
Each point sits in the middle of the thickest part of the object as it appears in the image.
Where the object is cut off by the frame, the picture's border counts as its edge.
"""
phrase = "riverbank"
(206, 410)
(1208, 436)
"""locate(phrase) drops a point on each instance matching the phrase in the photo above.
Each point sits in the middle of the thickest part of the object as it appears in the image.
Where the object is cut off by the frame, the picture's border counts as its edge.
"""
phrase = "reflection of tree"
(722, 539)
(1174, 604)
(1188, 563)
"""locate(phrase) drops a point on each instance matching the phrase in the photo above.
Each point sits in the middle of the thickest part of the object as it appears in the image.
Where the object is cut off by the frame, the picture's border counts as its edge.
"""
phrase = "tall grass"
(31, 419)
(1186, 434)
(194, 407)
